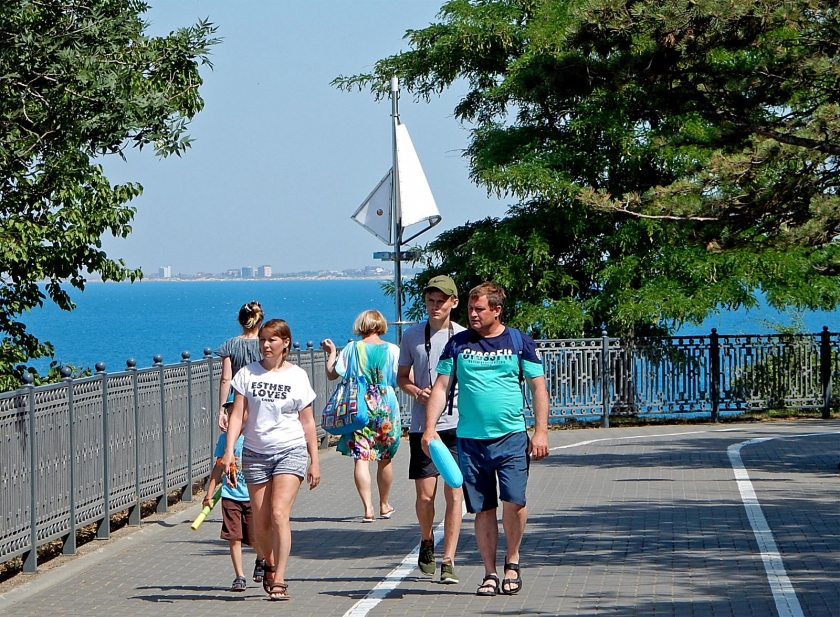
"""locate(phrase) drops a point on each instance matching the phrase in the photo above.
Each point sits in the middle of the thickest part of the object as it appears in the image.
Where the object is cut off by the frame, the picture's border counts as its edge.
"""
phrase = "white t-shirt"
(274, 401)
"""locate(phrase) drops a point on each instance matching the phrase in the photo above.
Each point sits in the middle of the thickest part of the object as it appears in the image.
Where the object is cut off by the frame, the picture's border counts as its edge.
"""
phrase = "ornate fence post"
(323, 441)
(135, 513)
(30, 558)
(211, 404)
(714, 367)
(605, 380)
(69, 546)
(186, 493)
(163, 500)
(103, 530)
(825, 371)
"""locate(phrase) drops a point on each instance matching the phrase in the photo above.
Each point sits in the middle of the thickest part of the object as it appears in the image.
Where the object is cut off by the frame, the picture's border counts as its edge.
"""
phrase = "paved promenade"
(718, 520)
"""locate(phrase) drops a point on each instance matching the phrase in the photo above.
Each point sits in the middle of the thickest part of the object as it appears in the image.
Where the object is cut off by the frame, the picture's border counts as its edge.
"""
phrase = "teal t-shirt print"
(489, 398)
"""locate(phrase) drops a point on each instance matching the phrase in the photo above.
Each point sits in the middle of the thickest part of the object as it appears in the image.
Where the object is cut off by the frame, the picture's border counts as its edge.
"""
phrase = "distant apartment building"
(232, 273)
(264, 271)
(375, 271)
(165, 272)
(248, 272)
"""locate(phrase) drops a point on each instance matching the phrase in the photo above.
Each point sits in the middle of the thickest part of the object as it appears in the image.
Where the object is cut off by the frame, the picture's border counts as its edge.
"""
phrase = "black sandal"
(514, 585)
(239, 584)
(484, 589)
(275, 591)
(259, 570)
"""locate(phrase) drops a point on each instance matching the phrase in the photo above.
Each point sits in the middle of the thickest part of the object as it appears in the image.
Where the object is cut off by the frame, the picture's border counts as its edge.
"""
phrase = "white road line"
(787, 604)
(391, 580)
(784, 595)
(591, 441)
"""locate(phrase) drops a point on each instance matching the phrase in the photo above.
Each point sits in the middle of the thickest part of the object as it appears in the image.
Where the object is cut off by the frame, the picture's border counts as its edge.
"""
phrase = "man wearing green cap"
(421, 347)
(490, 362)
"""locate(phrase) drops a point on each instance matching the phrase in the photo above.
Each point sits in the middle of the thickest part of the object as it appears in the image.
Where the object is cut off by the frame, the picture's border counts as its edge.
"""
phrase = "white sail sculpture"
(414, 202)
(415, 199)
(401, 200)
(375, 212)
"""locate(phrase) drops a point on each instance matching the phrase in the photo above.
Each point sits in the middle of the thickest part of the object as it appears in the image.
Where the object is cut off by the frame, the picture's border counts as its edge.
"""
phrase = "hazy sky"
(281, 159)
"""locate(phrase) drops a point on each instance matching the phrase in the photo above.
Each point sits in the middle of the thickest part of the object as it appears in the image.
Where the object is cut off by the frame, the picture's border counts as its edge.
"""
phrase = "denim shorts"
(259, 468)
(483, 460)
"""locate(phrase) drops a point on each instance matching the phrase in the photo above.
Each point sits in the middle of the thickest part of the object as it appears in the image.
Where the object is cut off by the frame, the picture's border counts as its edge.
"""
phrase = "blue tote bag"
(342, 414)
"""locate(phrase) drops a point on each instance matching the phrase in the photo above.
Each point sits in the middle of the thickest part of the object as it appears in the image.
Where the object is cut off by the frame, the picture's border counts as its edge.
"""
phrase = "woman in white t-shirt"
(274, 397)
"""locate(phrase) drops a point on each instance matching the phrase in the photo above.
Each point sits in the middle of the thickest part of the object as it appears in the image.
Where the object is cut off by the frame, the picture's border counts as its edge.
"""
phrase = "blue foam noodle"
(445, 463)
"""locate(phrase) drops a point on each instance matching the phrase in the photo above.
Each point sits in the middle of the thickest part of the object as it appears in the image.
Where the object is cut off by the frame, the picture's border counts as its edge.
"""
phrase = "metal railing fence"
(79, 450)
(76, 451)
(595, 378)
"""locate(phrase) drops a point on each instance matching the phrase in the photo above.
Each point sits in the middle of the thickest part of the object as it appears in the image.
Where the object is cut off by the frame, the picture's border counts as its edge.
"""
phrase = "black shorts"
(420, 465)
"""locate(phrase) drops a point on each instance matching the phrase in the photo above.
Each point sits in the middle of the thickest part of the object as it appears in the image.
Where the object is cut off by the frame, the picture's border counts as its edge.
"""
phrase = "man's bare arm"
(539, 396)
(434, 408)
(405, 380)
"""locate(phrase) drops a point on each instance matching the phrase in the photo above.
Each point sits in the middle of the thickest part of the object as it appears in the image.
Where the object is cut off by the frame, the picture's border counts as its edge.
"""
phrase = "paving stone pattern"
(628, 522)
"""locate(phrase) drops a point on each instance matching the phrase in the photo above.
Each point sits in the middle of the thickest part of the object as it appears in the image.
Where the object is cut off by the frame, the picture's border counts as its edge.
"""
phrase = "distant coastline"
(283, 277)
(354, 274)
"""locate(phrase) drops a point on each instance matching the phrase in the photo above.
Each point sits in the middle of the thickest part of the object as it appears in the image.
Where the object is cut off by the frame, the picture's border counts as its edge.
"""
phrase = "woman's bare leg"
(285, 488)
(361, 474)
(384, 480)
(261, 497)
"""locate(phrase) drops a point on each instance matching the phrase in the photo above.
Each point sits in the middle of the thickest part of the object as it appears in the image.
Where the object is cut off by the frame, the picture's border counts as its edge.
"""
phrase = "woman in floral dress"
(379, 439)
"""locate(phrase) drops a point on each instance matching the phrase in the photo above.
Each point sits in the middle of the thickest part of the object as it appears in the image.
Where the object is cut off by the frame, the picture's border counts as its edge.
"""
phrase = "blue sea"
(117, 321)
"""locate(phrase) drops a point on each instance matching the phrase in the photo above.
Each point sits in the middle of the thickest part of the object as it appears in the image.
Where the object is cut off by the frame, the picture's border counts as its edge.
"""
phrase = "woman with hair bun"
(379, 440)
(272, 408)
(237, 352)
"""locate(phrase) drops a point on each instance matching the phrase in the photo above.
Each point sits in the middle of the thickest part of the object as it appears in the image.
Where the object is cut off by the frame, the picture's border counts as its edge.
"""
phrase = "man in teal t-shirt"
(492, 441)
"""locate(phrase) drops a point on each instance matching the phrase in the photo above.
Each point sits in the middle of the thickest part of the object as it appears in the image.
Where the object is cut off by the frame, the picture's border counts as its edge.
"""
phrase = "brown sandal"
(276, 591)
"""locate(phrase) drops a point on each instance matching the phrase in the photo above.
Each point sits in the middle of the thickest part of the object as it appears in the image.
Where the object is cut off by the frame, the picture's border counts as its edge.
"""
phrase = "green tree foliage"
(666, 157)
(79, 79)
